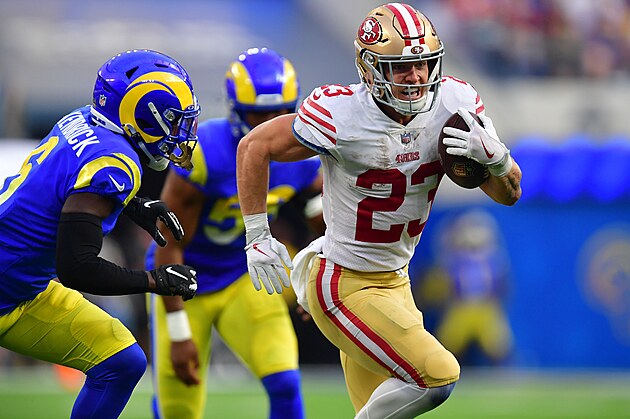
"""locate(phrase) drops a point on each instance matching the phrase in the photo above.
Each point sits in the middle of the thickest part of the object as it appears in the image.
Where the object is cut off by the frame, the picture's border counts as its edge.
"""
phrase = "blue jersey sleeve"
(116, 176)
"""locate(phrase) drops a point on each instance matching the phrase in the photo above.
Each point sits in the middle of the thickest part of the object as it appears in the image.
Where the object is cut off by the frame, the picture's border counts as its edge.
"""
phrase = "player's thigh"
(373, 319)
(258, 328)
(62, 327)
(361, 381)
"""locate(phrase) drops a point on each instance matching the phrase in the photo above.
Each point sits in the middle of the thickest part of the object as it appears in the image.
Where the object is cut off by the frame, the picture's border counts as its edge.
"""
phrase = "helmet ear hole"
(129, 73)
(143, 124)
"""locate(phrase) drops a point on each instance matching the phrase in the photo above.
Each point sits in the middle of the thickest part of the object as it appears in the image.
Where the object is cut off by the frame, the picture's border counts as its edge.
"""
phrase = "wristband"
(503, 167)
(255, 225)
(178, 326)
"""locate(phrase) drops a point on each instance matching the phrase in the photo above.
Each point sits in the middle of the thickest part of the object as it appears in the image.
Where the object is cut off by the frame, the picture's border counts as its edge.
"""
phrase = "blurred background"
(537, 288)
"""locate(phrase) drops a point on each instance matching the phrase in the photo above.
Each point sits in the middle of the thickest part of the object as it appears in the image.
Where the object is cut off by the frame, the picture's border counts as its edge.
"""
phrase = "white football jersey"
(380, 177)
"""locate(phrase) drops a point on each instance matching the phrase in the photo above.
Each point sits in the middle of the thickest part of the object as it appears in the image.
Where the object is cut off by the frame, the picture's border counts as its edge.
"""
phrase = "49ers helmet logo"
(370, 31)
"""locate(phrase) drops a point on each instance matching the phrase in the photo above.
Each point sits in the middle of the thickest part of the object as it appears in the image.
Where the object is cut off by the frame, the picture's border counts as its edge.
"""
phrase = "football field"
(31, 393)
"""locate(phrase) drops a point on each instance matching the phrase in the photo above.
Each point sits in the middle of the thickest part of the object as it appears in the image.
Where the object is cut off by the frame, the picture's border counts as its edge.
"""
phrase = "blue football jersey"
(217, 248)
(76, 156)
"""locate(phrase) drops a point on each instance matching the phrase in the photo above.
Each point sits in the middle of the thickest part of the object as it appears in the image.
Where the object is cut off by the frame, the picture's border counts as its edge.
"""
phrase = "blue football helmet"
(149, 98)
(260, 80)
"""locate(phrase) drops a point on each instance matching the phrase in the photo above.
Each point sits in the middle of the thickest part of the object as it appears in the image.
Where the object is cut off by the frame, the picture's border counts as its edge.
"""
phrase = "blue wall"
(569, 243)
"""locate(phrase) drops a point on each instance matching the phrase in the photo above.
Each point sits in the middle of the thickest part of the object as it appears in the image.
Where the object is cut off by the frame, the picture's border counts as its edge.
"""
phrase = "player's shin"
(285, 397)
(396, 399)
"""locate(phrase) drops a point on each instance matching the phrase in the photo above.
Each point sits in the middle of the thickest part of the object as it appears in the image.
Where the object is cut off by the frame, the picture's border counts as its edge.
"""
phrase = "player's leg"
(457, 329)
(62, 327)
(258, 328)
(379, 396)
(360, 381)
(173, 398)
(493, 332)
(373, 319)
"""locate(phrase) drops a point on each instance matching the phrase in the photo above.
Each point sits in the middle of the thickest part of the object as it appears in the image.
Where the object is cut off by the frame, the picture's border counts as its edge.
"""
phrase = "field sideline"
(32, 393)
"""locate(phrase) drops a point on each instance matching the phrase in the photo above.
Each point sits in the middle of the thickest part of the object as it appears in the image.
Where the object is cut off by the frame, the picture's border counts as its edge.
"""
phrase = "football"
(465, 172)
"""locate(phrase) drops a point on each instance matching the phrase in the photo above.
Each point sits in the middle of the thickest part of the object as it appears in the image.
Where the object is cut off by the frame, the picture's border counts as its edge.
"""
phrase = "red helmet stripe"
(414, 17)
(409, 23)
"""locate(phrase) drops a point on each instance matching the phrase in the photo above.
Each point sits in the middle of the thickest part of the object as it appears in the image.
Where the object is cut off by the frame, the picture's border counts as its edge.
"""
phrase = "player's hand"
(185, 361)
(304, 315)
(175, 280)
(477, 144)
(145, 212)
(266, 258)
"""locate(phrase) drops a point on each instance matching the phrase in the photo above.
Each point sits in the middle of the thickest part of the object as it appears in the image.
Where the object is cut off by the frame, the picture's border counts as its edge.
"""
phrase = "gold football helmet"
(392, 33)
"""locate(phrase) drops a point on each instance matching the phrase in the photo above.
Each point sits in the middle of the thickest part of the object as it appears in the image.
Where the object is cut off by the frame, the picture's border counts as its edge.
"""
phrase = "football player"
(377, 141)
(260, 84)
(68, 194)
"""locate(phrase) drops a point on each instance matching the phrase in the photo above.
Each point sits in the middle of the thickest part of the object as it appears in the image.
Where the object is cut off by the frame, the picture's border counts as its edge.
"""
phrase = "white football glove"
(478, 144)
(265, 259)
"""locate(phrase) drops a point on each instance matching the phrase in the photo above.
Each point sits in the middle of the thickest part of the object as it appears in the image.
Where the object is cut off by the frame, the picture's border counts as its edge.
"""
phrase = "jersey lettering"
(74, 126)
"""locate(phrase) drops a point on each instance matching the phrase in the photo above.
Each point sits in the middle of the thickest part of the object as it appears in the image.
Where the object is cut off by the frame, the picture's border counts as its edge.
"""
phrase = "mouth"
(411, 93)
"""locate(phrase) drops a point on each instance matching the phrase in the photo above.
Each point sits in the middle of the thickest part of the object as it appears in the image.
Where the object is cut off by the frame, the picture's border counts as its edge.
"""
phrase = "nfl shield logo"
(101, 100)
(405, 137)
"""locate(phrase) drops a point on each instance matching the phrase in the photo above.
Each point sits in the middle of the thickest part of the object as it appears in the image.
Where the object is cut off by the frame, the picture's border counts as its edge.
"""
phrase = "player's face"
(254, 119)
(409, 73)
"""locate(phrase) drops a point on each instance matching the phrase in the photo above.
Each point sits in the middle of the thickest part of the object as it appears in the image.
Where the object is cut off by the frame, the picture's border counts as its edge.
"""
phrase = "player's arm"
(506, 189)
(482, 144)
(186, 201)
(79, 242)
(273, 140)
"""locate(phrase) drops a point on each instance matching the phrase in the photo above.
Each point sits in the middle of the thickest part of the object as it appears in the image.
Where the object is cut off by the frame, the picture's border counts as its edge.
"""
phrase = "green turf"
(32, 394)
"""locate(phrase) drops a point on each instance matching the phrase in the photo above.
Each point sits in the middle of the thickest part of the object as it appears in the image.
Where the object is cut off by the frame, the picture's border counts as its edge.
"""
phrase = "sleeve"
(314, 126)
(116, 176)
(466, 96)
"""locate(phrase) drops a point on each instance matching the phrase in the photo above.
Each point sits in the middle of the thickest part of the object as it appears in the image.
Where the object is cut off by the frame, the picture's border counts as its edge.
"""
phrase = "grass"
(33, 393)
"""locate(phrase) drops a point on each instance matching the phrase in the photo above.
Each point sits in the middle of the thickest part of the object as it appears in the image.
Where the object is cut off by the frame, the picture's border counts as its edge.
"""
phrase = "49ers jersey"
(380, 177)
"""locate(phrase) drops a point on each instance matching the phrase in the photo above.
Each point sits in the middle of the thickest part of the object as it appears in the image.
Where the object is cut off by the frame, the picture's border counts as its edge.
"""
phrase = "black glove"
(175, 280)
(145, 212)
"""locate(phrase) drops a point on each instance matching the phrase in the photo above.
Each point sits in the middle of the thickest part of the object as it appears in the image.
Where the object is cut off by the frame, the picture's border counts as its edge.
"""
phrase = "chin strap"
(184, 160)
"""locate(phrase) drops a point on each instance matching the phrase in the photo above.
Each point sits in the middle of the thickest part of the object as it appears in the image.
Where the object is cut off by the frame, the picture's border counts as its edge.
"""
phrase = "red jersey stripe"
(319, 107)
(306, 121)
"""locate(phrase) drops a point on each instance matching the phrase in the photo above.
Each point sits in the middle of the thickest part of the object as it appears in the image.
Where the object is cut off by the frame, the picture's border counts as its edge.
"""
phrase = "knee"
(134, 362)
(438, 395)
(442, 367)
(284, 384)
(128, 364)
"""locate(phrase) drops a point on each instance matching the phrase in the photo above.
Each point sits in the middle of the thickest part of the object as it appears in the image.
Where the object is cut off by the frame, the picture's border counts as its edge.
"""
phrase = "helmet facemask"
(377, 72)
(180, 129)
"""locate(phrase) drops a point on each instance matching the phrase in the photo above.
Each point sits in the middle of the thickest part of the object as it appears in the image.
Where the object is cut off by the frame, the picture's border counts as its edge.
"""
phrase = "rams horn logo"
(370, 31)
